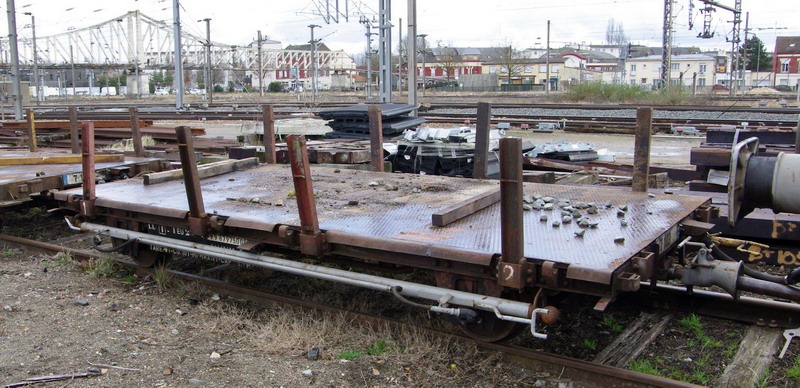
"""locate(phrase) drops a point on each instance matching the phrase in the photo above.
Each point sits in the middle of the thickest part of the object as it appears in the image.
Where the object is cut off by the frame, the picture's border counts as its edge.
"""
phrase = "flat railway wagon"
(496, 249)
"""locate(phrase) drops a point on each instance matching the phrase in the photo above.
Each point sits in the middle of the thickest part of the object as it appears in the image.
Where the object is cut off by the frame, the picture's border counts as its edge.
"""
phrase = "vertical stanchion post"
(268, 116)
(510, 271)
(73, 130)
(641, 151)
(136, 134)
(312, 241)
(191, 179)
(376, 138)
(32, 132)
(480, 162)
(87, 168)
(511, 221)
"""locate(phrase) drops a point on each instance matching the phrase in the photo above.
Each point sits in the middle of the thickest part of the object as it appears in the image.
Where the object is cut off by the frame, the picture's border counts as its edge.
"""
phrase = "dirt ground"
(57, 317)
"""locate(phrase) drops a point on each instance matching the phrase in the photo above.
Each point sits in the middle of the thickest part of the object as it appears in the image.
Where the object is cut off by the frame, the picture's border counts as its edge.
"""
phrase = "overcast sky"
(457, 23)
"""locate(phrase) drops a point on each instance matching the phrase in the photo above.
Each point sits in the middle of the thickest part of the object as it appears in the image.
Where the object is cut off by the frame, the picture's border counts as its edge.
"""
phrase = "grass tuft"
(643, 366)
(692, 323)
(163, 278)
(794, 372)
(377, 348)
(349, 355)
(590, 343)
(102, 267)
(608, 321)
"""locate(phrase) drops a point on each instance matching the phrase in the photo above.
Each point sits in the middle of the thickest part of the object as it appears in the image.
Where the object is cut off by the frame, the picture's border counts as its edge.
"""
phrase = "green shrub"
(274, 87)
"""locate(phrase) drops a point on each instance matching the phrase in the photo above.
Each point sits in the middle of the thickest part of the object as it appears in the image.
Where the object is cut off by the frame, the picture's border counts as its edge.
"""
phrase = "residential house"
(786, 61)
(646, 71)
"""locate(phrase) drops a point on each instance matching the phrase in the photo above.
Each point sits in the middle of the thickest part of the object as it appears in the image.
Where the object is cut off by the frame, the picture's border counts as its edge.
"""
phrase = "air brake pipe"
(505, 309)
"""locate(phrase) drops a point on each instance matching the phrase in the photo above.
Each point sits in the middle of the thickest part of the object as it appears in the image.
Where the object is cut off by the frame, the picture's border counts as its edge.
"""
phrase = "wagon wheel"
(148, 258)
(487, 327)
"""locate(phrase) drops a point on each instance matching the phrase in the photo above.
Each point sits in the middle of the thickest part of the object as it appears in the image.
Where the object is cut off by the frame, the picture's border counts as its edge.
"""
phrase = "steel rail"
(586, 373)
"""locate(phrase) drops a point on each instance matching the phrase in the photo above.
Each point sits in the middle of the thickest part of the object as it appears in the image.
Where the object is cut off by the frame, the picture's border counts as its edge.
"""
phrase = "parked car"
(161, 92)
(197, 91)
(783, 88)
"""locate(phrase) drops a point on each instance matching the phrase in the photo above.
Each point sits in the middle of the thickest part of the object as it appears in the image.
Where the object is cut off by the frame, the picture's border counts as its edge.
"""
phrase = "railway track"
(584, 373)
(571, 117)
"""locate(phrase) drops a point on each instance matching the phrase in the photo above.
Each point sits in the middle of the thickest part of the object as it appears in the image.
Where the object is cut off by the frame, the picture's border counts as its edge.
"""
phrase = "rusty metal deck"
(348, 204)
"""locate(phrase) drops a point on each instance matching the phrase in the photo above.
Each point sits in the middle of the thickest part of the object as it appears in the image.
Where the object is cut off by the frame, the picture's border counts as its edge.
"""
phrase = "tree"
(449, 59)
(510, 60)
(114, 81)
(756, 56)
(160, 79)
(615, 33)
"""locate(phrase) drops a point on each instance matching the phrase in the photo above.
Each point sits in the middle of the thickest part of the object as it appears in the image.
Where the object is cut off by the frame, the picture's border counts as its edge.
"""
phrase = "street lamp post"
(313, 61)
(12, 42)
(209, 82)
(35, 57)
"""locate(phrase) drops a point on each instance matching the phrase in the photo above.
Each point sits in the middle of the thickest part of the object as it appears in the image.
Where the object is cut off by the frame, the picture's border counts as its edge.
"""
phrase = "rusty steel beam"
(197, 212)
(465, 208)
(73, 130)
(512, 236)
(480, 162)
(136, 134)
(312, 241)
(268, 116)
(641, 151)
(32, 146)
(376, 138)
(88, 169)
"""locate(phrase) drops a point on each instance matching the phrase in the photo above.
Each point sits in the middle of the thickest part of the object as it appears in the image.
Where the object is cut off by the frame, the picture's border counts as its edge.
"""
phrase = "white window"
(633, 68)
(785, 66)
(555, 68)
(492, 69)
(542, 68)
(701, 82)
(702, 69)
(673, 82)
(633, 82)
(676, 66)
(528, 69)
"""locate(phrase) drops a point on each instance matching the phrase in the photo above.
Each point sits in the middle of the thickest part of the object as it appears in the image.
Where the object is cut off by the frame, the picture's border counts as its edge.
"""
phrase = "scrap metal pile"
(352, 122)
(444, 151)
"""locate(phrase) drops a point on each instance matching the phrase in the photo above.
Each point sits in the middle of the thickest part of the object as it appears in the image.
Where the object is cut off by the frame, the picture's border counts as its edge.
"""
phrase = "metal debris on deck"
(444, 151)
(352, 122)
